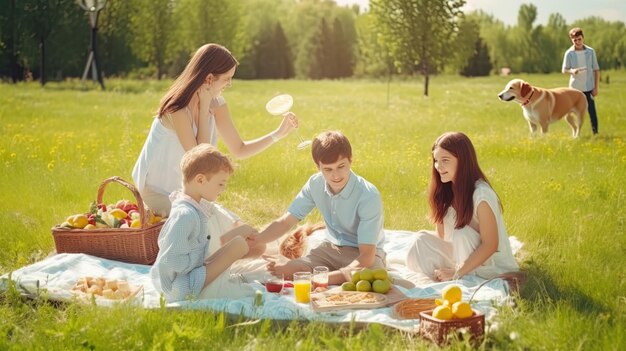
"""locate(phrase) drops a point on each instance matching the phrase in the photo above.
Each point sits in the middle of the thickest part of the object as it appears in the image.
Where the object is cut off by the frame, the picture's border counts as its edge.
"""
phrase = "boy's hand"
(243, 230)
(279, 270)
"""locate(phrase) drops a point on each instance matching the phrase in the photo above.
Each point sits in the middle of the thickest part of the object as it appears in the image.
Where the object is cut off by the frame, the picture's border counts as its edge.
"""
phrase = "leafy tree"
(303, 29)
(115, 49)
(321, 48)
(479, 64)
(419, 33)
(495, 35)
(342, 58)
(41, 14)
(151, 30)
(526, 51)
(38, 37)
(272, 54)
(256, 26)
(556, 42)
(373, 57)
(465, 43)
(11, 24)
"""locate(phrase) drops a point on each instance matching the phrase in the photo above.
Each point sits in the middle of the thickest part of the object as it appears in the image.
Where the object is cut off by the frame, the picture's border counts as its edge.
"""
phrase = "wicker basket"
(411, 308)
(437, 330)
(133, 245)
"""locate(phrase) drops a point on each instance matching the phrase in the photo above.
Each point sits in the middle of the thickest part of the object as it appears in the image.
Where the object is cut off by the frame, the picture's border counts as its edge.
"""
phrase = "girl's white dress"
(429, 252)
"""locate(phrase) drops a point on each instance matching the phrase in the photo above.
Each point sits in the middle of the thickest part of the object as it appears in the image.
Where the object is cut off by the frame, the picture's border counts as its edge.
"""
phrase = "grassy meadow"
(564, 198)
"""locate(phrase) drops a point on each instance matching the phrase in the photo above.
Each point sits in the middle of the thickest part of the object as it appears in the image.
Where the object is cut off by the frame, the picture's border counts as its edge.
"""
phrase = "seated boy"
(182, 269)
(352, 211)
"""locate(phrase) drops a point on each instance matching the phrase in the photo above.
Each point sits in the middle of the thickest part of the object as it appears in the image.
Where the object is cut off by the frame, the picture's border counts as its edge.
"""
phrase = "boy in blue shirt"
(581, 63)
(352, 211)
(182, 268)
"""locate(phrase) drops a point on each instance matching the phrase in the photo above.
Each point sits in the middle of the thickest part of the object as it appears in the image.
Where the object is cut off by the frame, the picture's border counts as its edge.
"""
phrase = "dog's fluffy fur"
(544, 106)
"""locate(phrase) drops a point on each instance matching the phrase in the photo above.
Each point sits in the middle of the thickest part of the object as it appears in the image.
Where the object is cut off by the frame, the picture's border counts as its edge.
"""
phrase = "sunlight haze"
(506, 11)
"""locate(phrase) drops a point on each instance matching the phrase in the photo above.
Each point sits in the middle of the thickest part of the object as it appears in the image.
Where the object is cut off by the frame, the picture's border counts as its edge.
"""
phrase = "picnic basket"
(437, 330)
(132, 245)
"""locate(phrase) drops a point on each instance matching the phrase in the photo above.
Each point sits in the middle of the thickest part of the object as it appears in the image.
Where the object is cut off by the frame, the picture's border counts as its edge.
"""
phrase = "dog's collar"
(530, 97)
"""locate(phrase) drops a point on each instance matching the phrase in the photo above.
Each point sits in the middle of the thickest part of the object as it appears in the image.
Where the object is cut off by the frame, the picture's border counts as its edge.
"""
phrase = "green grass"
(563, 198)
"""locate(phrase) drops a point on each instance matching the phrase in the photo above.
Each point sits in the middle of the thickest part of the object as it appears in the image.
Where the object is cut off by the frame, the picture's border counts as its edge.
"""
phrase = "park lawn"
(563, 198)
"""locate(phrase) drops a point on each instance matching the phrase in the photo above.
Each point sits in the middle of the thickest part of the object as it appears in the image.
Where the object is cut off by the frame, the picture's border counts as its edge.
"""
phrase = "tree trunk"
(426, 78)
(42, 62)
(12, 43)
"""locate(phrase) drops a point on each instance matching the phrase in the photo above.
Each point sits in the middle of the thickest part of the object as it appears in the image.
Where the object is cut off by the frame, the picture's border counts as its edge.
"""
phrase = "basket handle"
(143, 212)
(478, 288)
(488, 280)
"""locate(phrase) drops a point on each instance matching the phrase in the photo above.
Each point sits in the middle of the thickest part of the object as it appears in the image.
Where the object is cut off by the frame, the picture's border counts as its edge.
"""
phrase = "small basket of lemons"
(452, 315)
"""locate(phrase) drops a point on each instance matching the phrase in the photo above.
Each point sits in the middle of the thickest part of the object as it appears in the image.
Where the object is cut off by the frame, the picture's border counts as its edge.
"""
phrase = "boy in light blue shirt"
(581, 63)
(183, 267)
(352, 211)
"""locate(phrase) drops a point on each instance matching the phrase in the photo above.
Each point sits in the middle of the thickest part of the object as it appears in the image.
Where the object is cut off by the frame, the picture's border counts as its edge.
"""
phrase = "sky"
(571, 10)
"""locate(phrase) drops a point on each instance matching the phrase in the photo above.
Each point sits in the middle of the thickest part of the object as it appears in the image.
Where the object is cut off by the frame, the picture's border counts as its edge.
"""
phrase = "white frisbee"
(279, 105)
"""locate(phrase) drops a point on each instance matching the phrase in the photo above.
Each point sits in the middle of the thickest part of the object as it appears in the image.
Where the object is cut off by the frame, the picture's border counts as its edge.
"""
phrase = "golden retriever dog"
(544, 106)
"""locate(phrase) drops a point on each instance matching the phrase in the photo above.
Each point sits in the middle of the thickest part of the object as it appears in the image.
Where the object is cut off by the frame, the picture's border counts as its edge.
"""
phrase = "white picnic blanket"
(56, 275)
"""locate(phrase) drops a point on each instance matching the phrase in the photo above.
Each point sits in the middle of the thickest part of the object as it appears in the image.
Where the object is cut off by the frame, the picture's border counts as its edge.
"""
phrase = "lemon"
(452, 293)
(118, 213)
(442, 312)
(441, 302)
(90, 227)
(380, 273)
(462, 309)
(367, 274)
(364, 285)
(356, 277)
(80, 221)
(136, 223)
(348, 286)
(70, 220)
(381, 286)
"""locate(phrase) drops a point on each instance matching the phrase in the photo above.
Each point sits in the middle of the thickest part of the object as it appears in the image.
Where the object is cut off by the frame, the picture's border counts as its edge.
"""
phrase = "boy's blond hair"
(329, 146)
(204, 159)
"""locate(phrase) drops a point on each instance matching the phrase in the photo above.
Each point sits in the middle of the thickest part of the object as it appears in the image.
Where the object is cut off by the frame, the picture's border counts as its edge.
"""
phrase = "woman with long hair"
(193, 112)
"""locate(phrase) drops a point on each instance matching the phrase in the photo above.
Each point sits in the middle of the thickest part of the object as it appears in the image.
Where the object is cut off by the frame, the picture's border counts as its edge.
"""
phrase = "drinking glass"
(302, 286)
(274, 283)
(320, 277)
(278, 106)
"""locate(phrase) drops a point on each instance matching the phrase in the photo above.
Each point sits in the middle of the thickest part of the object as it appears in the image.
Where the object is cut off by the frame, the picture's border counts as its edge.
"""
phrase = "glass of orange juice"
(302, 286)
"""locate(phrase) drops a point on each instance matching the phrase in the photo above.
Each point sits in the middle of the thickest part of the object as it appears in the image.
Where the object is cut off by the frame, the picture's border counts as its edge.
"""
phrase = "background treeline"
(308, 39)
